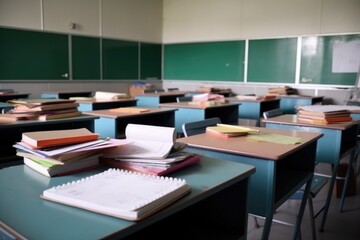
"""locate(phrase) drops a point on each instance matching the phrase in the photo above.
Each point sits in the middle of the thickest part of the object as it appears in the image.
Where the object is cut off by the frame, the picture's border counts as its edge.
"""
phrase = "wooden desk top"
(159, 94)
(21, 123)
(94, 100)
(300, 96)
(291, 119)
(110, 113)
(189, 105)
(235, 99)
(67, 91)
(242, 146)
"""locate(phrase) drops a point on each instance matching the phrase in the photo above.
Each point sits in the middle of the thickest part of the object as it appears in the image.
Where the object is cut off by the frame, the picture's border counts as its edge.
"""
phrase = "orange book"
(44, 139)
(129, 110)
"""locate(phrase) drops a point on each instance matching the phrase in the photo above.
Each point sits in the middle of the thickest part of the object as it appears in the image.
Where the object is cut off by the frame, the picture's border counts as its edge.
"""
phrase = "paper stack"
(62, 152)
(44, 109)
(152, 150)
(323, 114)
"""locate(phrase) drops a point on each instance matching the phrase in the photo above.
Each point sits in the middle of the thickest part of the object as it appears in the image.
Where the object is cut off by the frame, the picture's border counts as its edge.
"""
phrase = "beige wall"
(213, 20)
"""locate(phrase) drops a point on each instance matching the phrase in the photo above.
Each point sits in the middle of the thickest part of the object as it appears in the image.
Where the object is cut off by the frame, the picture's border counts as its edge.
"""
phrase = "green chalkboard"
(33, 55)
(150, 61)
(120, 59)
(316, 65)
(217, 61)
(272, 60)
(85, 58)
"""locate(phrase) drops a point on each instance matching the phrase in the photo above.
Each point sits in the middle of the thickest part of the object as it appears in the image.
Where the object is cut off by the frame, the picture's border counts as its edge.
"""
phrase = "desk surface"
(235, 99)
(22, 209)
(196, 106)
(242, 146)
(27, 123)
(95, 101)
(111, 113)
(291, 119)
(301, 96)
(67, 92)
(160, 94)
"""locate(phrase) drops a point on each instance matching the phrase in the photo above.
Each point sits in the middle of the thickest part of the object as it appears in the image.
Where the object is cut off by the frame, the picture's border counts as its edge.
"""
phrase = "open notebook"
(119, 193)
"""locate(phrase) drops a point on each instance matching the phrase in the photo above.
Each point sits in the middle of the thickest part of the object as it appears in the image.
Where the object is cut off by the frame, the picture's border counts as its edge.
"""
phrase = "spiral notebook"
(120, 193)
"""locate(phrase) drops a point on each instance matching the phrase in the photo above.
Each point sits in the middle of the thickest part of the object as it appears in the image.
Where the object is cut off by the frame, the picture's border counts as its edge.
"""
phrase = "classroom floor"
(339, 225)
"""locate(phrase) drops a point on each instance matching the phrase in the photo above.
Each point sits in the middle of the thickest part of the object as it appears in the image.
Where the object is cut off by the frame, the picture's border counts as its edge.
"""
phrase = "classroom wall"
(129, 20)
(185, 21)
(206, 21)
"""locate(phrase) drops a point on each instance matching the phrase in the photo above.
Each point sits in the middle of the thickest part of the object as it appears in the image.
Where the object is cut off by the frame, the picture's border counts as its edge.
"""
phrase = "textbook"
(146, 141)
(10, 117)
(51, 169)
(119, 193)
(43, 139)
(49, 116)
(129, 110)
(225, 130)
(110, 95)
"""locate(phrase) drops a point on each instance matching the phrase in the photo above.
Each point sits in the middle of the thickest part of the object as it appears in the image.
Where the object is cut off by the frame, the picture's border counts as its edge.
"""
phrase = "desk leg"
(267, 226)
(302, 209)
(328, 198)
(347, 177)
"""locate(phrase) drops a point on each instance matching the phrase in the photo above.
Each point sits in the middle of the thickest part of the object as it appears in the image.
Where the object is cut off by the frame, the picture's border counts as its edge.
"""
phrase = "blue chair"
(272, 113)
(193, 128)
(184, 99)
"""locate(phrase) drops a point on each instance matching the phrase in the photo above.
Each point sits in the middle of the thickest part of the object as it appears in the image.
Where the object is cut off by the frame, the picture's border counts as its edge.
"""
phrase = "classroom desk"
(254, 109)
(227, 112)
(113, 124)
(288, 103)
(99, 104)
(216, 207)
(280, 169)
(65, 94)
(11, 96)
(225, 93)
(155, 99)
(338, 140)
(11, 132)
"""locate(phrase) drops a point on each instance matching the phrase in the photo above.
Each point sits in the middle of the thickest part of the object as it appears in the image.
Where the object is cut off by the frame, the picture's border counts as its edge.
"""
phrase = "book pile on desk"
(228, 131)
(152, 150)
(323, 114)
(207, 99)
(62, 152)
(256, 97)
(43, 109)
(286, 90)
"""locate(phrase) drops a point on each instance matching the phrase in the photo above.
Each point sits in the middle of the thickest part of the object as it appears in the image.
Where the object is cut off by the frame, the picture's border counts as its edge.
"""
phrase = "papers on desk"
(274, 138)
(152, 150)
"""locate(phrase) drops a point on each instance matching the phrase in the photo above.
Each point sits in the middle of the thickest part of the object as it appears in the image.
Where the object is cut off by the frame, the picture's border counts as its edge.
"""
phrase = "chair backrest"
(184, 99)
(193, 128)
(159, 90)
(272, 113)
(173, 89)
(149, 91)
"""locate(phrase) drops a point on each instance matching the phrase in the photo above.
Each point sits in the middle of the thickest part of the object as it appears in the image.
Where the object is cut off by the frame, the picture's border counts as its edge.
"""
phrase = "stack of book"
(323, 114)
(62, 152)
(152, 150)
(228, 131)
(44, 109)
(286, 90)
(207, 99)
